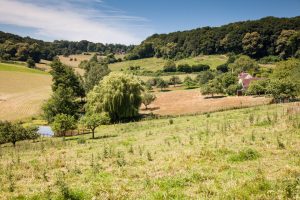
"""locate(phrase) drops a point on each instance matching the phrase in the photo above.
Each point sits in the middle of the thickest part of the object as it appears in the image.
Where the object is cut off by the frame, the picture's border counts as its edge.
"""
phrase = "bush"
(244, 155)
(170, 66)
(269, 59)
(184, 68)
(200, 68)
(30, 63)
(62, 123)
(223, 68)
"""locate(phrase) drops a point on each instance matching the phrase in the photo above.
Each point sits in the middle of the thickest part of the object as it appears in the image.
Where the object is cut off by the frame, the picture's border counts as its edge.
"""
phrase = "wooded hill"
(258, 38)
(14, 47)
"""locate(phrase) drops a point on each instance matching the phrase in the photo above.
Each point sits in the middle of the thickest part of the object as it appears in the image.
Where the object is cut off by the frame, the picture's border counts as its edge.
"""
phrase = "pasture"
(154, 64)
(22, 91)
(250, 153)
(181, 102)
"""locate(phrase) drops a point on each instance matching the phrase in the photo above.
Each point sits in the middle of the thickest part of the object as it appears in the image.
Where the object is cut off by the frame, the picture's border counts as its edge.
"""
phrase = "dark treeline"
(258, 38)
(14, 47)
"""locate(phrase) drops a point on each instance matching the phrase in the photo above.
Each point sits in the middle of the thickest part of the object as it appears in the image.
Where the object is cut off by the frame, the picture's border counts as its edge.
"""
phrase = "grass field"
(250, 153)
(153, 64)
(180, 102)
(22, 91)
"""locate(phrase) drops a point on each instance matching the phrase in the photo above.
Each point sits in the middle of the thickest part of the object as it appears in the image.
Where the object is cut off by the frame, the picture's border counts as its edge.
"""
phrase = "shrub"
(30, 63)
(184, 68)
(62, 123)
(200, 68)
(244, 155)
(269, 59)
(170, 66)
(223, 68)
(148, 98)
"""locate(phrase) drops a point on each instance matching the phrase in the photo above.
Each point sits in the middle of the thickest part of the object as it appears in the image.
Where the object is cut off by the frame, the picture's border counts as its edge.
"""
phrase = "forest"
(268, 36)
(14, 47)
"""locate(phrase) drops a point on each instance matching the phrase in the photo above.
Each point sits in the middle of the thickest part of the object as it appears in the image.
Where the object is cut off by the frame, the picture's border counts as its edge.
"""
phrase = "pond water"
(45, 131)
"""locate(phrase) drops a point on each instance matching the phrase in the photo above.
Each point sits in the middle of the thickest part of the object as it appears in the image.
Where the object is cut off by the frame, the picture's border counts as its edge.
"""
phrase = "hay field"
(180, 102)
(22, 91)
(250, 153)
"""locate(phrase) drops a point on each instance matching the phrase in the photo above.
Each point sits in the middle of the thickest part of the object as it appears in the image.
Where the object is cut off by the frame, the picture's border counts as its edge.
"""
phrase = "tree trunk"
(93, 133)
(14, 143)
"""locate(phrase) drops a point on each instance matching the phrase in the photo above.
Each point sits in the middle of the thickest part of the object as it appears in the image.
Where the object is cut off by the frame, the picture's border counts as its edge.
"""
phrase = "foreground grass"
(154, 64)
(19, 68)
(251, 153)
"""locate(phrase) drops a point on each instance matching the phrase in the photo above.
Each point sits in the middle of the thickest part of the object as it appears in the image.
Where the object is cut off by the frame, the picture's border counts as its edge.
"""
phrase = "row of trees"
(14, 47)
(257, 39)
(170, 66)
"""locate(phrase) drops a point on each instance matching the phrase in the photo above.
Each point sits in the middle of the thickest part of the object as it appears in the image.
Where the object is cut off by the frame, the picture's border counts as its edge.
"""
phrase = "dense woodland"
(14, 47)
(257, 39)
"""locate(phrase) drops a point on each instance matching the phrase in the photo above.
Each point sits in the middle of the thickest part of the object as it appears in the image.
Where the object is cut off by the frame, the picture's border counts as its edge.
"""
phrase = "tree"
(93, 120)
(174, 80)
(189, 82)
(287, 43)
(258, 87)
(14, 132)
(203, 77)
(95, 73)
(212, 87)
(161, 83)
(252, 44)
(65, 77)
(62, 123)
(289, 69)
(30, 63)
(62, 101)
(244, 64)
(117, 94)
(281, 90)
(147, 98)
(170, 66)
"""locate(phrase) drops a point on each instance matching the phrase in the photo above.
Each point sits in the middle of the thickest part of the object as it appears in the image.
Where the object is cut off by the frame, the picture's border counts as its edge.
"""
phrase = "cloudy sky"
(129, 21)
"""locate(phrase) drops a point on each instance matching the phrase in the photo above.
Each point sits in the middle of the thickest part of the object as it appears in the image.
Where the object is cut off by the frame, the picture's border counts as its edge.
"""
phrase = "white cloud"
(72, 20)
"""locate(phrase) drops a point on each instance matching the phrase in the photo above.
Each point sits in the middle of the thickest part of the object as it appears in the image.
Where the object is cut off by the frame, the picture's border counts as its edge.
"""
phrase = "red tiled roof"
(246, 82)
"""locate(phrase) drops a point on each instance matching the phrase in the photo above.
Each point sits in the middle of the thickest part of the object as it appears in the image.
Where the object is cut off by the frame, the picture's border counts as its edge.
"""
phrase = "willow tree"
(117, 94)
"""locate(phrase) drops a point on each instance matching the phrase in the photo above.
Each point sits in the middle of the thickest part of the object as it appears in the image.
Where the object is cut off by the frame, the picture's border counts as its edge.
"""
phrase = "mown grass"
(19, 68)
(154, 64)
(224, 155)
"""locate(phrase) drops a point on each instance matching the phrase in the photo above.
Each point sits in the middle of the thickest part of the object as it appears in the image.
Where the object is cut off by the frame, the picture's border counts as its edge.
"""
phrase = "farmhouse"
(245, 79)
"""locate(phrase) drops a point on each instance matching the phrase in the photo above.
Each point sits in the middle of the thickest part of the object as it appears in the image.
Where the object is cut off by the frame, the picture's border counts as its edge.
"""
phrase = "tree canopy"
(117, 94)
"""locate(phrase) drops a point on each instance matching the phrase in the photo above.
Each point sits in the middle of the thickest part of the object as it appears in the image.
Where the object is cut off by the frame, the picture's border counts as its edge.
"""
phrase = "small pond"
(45, 131)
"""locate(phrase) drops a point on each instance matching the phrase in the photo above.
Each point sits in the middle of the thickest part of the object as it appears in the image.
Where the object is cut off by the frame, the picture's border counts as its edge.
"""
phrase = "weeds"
(244, 155)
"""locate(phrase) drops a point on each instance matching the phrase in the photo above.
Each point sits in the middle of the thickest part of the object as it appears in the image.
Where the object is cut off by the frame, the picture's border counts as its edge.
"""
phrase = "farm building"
(245, 79)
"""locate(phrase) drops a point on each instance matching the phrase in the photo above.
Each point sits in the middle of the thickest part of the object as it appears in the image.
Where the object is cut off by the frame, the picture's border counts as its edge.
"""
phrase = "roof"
(246, 82)
(244, 75)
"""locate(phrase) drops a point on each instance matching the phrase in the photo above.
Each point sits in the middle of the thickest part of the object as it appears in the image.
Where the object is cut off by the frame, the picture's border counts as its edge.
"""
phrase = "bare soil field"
(22, 94)
(74, 61)
(180, 102)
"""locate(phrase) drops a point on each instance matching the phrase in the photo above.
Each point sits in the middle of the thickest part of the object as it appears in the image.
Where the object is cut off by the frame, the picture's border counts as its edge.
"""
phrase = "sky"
(129, 21)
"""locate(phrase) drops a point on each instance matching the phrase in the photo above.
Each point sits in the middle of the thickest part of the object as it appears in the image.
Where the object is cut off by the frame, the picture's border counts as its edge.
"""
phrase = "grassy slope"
(154, 64)
(22, 91)
(18, 68)
(195, 157)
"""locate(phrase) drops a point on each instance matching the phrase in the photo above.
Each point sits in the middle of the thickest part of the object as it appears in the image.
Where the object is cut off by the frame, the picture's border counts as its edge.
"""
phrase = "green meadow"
(250, 153)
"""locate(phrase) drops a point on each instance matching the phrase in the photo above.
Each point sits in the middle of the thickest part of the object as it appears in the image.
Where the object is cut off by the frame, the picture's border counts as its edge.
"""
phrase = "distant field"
(19, 68)
(180, 102)
(250, 153)
(22, 91)
(153, 64)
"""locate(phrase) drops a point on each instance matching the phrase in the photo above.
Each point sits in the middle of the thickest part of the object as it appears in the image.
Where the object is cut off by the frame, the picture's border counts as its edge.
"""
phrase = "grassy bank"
(250, 153)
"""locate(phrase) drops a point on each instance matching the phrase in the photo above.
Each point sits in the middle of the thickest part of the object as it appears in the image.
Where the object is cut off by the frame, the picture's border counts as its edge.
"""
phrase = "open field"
(250, 153)
(73, 63)
(153, 64)
(22, 91)
(180, 102)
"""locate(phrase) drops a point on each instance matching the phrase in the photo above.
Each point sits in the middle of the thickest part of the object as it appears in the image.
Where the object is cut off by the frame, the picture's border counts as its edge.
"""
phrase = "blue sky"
(129, 21)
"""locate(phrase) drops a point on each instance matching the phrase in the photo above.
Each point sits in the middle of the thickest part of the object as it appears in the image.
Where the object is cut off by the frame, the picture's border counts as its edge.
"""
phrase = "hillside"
(250, 153)
(256, 38)
(22, 91)
(154, 64)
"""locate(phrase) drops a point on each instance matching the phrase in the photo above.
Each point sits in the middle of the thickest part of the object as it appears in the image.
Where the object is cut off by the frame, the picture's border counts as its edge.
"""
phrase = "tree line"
(257, 39)
(14, 47)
